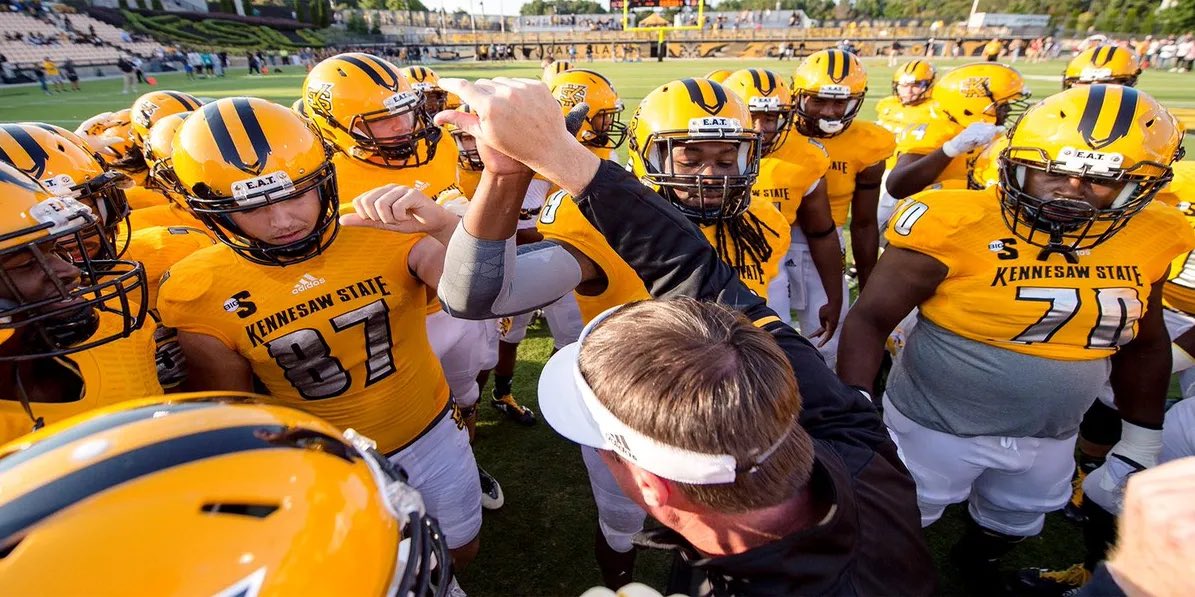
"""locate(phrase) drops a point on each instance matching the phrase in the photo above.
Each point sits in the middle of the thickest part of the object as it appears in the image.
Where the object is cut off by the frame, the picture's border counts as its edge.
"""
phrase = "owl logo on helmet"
(571, 94)
(976, 87)
(320, 97)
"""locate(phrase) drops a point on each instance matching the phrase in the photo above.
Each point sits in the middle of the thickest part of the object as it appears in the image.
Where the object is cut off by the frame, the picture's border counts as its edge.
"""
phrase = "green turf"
(540, 543)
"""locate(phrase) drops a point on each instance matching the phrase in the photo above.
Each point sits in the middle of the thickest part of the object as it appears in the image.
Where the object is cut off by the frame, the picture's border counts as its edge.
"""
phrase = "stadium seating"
(22, 53)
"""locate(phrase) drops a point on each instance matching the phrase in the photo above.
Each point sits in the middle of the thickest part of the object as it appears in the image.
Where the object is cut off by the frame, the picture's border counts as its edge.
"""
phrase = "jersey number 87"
(307, 361)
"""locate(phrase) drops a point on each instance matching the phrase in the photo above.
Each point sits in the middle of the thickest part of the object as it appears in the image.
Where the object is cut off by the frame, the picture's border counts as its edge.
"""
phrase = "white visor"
(571, 408)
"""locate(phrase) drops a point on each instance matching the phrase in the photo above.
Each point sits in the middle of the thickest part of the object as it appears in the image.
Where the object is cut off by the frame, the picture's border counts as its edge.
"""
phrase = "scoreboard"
(616, 5)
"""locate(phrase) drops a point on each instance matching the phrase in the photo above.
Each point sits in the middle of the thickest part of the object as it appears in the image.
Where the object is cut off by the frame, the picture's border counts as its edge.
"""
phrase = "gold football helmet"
(981, 92)
(717, 76)
(466, 146)
(695, 111)
(239, 154)
(365, 108)
(426, 83)
(270, 501)
(71, 136)
(983, 170)
(1104, 63)
(768, 98)
(50, 287)
(155, 105)
(918, 75)
(297, 108)
(1112, 137)
(601, 128)
(158, 147)
(554, 69)
(66, 169)
(129, 158)
(828, 76)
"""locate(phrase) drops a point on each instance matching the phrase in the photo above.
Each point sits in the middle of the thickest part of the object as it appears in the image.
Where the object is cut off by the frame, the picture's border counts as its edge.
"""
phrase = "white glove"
(976, 135)
(1136, 451)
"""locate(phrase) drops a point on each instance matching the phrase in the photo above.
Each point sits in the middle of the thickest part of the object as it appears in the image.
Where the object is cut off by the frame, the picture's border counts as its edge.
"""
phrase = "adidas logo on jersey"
(307, 282)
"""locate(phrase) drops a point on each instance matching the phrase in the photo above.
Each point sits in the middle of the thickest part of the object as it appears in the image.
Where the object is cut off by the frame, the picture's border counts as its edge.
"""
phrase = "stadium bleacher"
(23, 53)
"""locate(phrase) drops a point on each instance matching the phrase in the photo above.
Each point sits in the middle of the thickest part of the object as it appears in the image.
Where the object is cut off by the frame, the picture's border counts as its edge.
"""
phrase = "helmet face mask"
(1080, 164)
(1066, 223)
(105, 196)
(704, 198)
(604, 130)
(813, 109)
(692, 140)
(216, 211)
(911, 93)
(468, 157)
(391, 137)
(53, 314)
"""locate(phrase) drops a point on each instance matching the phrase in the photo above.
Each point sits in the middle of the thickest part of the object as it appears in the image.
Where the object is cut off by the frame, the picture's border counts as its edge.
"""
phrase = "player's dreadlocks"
(751, 248)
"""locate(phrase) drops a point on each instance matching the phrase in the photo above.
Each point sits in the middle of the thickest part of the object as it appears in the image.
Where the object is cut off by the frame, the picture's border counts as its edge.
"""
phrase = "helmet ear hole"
(1149, 123)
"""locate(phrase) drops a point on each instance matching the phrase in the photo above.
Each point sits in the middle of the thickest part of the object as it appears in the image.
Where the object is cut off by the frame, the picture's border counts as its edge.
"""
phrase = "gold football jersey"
(997, 290)
(163, 215)
(140, 197)
(788, 172)
(1179, 292)
(341, 335)
(158, 248)
(560, 220)
(928, 137)
(861, 146)
(120, 370)
(436, 179)
(896, 117)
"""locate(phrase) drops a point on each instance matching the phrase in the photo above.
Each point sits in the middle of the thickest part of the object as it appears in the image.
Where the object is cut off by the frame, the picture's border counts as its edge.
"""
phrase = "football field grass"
(541, 542)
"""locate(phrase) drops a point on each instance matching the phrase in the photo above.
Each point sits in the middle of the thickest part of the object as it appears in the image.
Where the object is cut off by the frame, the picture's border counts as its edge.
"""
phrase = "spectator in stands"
(41, 78)
(126, 70)
(53, 75)
(71, 74)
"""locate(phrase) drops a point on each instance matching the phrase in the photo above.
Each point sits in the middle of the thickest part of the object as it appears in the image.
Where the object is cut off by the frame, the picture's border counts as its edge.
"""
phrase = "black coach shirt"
(870, 541)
